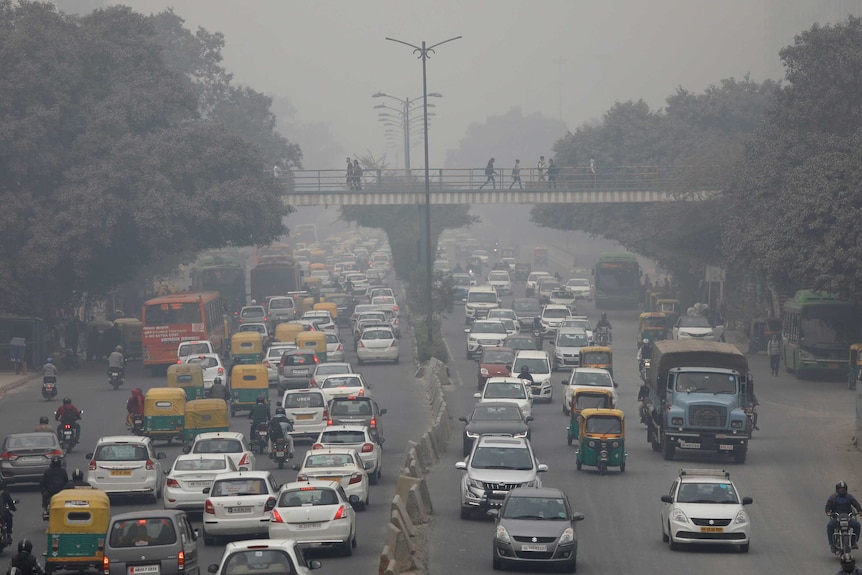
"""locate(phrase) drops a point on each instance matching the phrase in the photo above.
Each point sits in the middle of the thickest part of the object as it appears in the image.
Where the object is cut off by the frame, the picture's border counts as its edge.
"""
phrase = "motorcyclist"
(7, 506)
(258, 414)
(525, 373)
(44, 424)
(604, 324)
(24, 560)
(53, 480)
(134, 405)
(117, 361)
(217, 390)
(842, 502)
(77, 480)
(49, 369)
(644, 353)
(68, 413)
(280, 427)
(848, 565)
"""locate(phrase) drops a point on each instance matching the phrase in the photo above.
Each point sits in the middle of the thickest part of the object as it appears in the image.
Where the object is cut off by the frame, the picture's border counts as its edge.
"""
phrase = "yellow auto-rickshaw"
(205, 415)
(77, 523)
(586, 398)
(317, 267)
(164, 413)
(855, 364)
(131, 336)
(313, 340)
(653, 326)
(602, 434)
(247, 383)
(287, 332)
(189, 377)
(599, 356)
(329, 306)
(246, 347)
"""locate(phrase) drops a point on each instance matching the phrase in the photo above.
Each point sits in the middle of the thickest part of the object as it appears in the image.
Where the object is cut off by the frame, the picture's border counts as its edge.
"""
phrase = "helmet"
(67, 401)
(78, 475)
(56, 461)
(646, 341)
(43, 420)
(49, 360)
(25, 546)
(260, 399)
(847, 562)
(841, 485)
(280, 411)
(119, 348)
(217, 380)
(604, 315)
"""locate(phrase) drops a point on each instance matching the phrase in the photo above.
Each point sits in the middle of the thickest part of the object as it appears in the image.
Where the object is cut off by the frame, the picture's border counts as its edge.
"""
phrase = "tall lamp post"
(424, 52)
(404, 111)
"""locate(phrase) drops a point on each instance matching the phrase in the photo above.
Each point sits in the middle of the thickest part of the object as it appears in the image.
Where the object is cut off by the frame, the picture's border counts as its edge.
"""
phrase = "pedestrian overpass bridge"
(627, 184)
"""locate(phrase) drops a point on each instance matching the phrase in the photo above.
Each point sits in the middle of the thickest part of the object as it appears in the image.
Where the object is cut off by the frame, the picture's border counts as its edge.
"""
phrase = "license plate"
(199, 483)
(262, 433)
(305, 416)
(300, 372)
(137, 569)
(685, 445)
(239, 509)
(122, 473)
(309, 525)
(36, 459)
(329, 479)
(725, 447)
(711, 529)
(534, 547)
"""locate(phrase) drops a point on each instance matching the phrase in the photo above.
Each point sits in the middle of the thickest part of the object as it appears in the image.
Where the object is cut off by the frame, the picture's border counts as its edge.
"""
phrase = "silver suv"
(496, 465)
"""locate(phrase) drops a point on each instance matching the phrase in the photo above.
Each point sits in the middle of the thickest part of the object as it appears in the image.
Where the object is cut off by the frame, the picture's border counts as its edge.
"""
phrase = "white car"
(343, 385)
(337, 464)
(322, 319)
(334, 347)
(501, 281)
(377, 344)
(512, 326)
(239, 503)
(189, 476)
(232, 443)
(563, 296)
(314, 513)
(386, 302)
(321, 370)
(355, 437)
(479, 302)
(590, 378)
(539, 365)
(510, 263)
(533, 279)
(484, 333)
(581, 288)
(580, 321)
(503, 313)
(307, 409)
(281, 309)
(211, 366)
(188, 348)
(510, 389)
(261, 328)
(693, 327)
(567, 347)
(126, 465)
(704, 507)
(273, 358)
(263, 556)
(551, 318)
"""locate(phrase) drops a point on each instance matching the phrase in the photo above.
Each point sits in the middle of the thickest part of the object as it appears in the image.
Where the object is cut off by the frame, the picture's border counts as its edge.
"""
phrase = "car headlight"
(736, 424)
(678, 516)
(475, 483)
(502, 535)
(676, 421)
(741, 517)
(568, 535)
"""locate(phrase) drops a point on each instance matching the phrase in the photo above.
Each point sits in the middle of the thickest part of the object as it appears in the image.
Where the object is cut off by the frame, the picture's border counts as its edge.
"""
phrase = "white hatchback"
(539, 365)
(510, 389)
(211, 366)
(190, 475)
(587, 377)
(126, 465)
(315, 513)
(356, 437)
(377, 344)
(264, 556)
(232, 443)
(239, 503)
(337, 464)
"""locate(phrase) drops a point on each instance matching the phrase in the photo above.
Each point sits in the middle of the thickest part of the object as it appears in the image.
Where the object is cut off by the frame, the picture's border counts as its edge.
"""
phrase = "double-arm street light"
(424, 52)
(403, 112)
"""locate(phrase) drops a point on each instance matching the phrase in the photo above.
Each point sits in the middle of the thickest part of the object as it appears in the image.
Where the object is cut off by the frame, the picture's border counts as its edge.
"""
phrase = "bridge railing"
(465, 179)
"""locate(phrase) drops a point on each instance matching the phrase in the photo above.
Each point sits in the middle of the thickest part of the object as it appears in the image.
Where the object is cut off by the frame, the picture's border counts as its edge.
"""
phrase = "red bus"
(174, 318)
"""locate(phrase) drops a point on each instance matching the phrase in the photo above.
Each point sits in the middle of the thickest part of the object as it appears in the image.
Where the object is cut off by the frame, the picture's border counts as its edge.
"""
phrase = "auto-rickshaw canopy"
(246, 342)
(80, 510)
(249, 376)
(287, 332)
(189, 377)
(207, 415)
(313, 340)
(591, 399)
(668, 306)
(164, 401)
(602, 422)
(600, 356)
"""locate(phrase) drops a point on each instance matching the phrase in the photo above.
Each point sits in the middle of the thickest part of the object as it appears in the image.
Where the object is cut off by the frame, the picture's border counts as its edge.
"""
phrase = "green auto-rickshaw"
(204, 416)
(652, 326)
(247, 383)
(189, 377)
(164, 413)
(602, 439)
(77, 522)
(586, 398)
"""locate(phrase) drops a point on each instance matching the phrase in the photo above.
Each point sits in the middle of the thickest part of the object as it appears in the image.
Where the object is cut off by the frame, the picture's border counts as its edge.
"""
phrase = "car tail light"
(276, 517)
(325, 413)
(367, 447)
(106, 563)
(208, 507)
(179, 360)
(150, 465)
(55, 453)
(221, 371)
(265, 363)
(394, 343)
(329, 421)
(373, 423)
(312, 382)
(6, 456)
(341, 513)
(270, 504)
(317, 446)
(92, 466)
(361, 344)
(339, 348)
(316, 359)
(171, 482)
(301, 477)
(394, 308)
(355, 478)
(181, 561)
(243, 460)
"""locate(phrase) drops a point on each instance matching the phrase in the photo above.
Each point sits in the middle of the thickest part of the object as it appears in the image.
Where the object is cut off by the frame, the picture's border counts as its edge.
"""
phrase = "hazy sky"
(329, 56)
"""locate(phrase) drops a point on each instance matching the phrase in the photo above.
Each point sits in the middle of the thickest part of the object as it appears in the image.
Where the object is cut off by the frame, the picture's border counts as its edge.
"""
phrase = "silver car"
(26, 456)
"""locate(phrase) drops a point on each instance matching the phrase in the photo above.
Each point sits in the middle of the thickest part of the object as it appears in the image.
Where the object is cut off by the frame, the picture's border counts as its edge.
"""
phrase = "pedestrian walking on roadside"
(553, 171)
(541, 168)
(773, 350)
(490, 174)
(357, 175)
(516, 175)
(349, 177)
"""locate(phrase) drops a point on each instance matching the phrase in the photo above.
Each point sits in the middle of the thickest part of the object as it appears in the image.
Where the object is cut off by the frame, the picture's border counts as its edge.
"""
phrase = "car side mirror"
(368, 465)
(577, 516)
(541, 468)
(466, 330)
(195, 534)
(161, 455)
(666, 499)
(381, 440)
(88, 455)
(493, 513)
(529, 419)
(166, 471)
(477, 395)
(353, 499)
(747, 500)
(295, 467)
(205, 490)
(213, 568)
(462, 465)
(383, 411)
(565, 382)
(462, 418)
(187, 449)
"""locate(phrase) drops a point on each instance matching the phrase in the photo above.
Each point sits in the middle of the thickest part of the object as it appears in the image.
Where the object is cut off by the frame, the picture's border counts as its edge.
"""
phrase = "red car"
(495, 362)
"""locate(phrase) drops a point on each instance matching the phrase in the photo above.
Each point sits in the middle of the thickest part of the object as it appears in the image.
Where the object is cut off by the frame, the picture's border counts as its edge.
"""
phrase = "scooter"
(115, 378)
(261, 439)
(843, 537)
(137, 424)
(280, 453)
(68, 438)
(49, 386)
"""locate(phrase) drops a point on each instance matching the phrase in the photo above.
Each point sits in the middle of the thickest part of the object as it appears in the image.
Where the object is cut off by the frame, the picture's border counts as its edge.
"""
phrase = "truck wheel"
(656, 446)
(668, 449)
(739, 456)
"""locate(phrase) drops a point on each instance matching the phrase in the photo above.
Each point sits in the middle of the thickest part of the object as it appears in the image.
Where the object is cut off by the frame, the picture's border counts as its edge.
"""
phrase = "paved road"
(793, 464)
(104, 414)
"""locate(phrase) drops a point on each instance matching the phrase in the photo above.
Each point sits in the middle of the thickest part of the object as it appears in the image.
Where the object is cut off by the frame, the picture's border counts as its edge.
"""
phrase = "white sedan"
(337, 464)
(239, 503)
(343, 385)
(211, 366)
(263, 556)
(377, 344)
(189, 476)
(359, 438)
(315, 513)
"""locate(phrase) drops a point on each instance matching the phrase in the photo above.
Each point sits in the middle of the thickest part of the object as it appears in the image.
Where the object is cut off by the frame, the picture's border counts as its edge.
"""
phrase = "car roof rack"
(707, 472)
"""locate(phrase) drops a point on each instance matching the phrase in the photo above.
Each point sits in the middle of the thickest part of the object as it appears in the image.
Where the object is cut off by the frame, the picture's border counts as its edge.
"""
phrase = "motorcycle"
(843, 537)
(644, 369)
(603, 336)
(5, 537)
(115, 378)
(68, 436)
(280, 453)
(137, 424)
(261, 439)
(49, 386)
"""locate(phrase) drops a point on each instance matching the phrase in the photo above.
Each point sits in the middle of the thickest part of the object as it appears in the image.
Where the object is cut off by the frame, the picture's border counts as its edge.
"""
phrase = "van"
(479, 301)
(160, 541)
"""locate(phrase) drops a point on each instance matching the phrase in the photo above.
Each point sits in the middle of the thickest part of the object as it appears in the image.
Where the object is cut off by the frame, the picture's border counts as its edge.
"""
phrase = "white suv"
(500, 281)
(126, 465)
(704, 507)
(479, 301)
(484, 333)
(551, 318)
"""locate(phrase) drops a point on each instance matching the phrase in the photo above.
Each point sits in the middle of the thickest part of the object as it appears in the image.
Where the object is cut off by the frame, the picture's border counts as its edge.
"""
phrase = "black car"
(521, 342)
(494, 418)
(357, 410)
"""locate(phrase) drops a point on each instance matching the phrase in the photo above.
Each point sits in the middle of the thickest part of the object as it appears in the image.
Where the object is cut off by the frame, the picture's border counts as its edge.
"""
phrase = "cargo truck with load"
(699, 392)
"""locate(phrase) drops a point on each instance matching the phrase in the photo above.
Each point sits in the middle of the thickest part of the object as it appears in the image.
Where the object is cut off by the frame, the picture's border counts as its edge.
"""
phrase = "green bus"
(617, 281)
(221, 271)
(817, 330)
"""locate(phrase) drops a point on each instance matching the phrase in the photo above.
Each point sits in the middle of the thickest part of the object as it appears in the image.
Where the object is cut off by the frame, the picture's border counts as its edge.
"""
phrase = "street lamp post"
(424, 52)
(404, 112)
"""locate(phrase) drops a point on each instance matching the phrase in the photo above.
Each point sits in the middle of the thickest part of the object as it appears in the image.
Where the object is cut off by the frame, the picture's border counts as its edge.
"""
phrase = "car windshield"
(581, 323)
(536, 365)
(238, 487)
(281, 304)
(597, 357)
(706, 383)
(535, 276)
(496, 413)
(329, 460)
(578, 283)
(384, 300)
(342, 436)
(504, 390)
(562, 294)
(596, 379)
(143, 532)
(333, 382)
(259, 562)
(519, 343)
(488, 457)
(377, 334)
(498, 276)
(377, 316)
(693, 321)
(589, 400)
(35, 441)
(460, 280)
(194, 349)
(303, 400)
(488, 327)
(297, 359)
(332, 339)
(204, 362)
(253, 327)
(707, 493)
(251, 312)
(572, 340)
(200, 464)
(549, 285)
(603, 425)
(276, 352)
(218, 446)
(307, 496)
(482, 297)
(539, 508)
(121, 452)
(351, 408)
(498, 356)
(556, 312)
